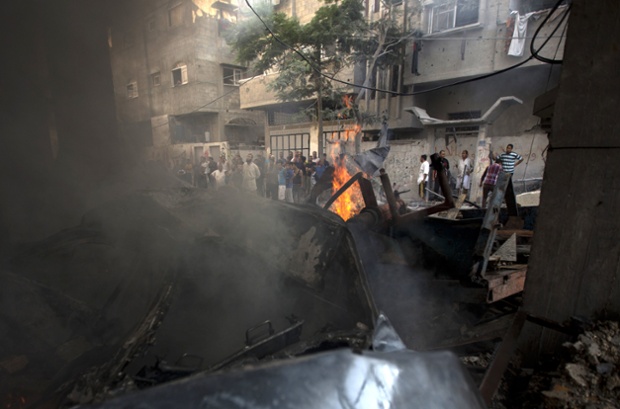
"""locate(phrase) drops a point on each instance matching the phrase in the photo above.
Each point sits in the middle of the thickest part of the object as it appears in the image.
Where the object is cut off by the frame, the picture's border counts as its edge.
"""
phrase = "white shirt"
(465, 167)
(424, 168)
(220, 178)
(250, 174)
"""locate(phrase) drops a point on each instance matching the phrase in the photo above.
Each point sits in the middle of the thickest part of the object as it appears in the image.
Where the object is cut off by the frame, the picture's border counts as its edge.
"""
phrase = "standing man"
(211, 167)
(218, 177)
(423, 177)
(445, 164)
(202, 174)
(260, 181)
(271, 179)
(509, 159)
(289, 176)
(489, 180)
(463, 180)
(282, 175)
(250, 174)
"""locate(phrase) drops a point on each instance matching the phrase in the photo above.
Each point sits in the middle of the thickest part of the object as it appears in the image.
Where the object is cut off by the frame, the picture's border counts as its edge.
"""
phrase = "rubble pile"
(587, 376)
(592, 379)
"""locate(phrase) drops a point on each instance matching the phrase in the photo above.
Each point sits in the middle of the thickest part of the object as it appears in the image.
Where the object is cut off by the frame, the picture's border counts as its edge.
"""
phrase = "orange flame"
(351, 202)
(348, 101)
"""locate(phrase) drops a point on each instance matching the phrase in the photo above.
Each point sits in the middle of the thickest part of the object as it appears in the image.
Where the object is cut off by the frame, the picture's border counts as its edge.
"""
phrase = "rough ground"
(584, 374)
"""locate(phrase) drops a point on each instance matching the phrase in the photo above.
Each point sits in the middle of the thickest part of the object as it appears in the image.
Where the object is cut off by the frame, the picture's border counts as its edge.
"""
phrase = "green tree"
(309, 57)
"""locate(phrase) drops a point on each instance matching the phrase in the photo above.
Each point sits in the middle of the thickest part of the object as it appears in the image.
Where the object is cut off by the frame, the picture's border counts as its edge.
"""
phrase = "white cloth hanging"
(517, 45)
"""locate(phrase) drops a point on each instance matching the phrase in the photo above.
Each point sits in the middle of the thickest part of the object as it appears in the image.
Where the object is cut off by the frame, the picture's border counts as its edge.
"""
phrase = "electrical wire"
(395, 93)
(535, 52)
(318, 71)
(557, 49)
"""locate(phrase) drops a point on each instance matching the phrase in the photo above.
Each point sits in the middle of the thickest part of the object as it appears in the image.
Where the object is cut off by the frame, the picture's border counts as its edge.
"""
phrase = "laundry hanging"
(517, 45)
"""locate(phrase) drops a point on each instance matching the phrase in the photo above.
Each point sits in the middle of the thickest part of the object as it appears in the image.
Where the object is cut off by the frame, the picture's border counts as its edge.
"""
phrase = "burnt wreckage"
(138, 295)
(181, 285)
(487, 246)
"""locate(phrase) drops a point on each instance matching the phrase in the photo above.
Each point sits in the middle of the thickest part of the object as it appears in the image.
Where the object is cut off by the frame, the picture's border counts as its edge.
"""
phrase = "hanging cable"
(318, 71)
(535, 52)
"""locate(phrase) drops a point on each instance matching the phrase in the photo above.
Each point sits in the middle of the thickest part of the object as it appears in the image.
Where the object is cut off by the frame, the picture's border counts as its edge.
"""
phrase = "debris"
(578, 373)
(454, 212)
(14, 364)
(587, 377)
(480, 360)
(508, 250)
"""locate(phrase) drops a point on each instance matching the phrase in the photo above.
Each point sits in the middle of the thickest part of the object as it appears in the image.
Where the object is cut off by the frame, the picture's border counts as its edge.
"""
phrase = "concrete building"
(455, 43)
(176, 84)
(464, 42)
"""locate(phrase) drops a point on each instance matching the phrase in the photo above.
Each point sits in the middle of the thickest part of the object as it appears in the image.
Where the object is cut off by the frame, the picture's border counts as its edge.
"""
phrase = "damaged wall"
(403, 162)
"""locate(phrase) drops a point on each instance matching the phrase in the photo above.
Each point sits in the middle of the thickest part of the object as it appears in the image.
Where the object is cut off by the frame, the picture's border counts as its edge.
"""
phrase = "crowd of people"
(291, 178)
(283, 178)
(506, 162)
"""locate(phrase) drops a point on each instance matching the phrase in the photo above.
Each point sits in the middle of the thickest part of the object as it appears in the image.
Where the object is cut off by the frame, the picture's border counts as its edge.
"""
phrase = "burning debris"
(351, 201)
(190, 282)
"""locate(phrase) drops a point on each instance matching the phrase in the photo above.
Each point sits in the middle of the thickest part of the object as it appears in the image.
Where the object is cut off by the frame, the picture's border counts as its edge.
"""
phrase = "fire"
(351, 202)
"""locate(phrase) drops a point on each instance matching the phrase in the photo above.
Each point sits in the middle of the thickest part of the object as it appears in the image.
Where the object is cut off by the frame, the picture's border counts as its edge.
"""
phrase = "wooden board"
(454, 212)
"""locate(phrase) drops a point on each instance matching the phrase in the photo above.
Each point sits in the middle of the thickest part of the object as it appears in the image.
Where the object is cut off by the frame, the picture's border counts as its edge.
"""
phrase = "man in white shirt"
(219, 177)
(465, 167)
(250, 174)
(423, 176)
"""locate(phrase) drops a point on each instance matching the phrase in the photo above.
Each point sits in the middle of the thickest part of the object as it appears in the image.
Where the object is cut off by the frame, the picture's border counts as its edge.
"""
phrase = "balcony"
(253, 92)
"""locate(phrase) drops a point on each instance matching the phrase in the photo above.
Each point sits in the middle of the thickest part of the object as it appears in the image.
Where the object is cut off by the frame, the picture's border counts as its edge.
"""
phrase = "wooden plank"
(506, 233)
(454, 212)
(505, 285)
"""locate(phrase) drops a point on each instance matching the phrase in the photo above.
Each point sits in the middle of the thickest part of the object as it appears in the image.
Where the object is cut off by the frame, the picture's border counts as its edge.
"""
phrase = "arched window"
(179, 74)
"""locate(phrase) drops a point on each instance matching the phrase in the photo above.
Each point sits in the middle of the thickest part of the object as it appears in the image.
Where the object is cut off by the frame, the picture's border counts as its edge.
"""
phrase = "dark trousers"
(486, 189)
(272, 191)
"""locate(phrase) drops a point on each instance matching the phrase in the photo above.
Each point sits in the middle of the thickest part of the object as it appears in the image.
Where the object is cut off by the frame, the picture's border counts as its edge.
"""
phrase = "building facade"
(452, 44)
(175, 80)
(468, 58)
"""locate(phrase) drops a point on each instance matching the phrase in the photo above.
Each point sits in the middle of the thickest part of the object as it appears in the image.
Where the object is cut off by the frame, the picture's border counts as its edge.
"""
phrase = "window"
(290, 142)
(156, 79)
(232, 76)
(175, 16)
(448, 14)
(179, 75)
(471, 130)
(132, 90)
